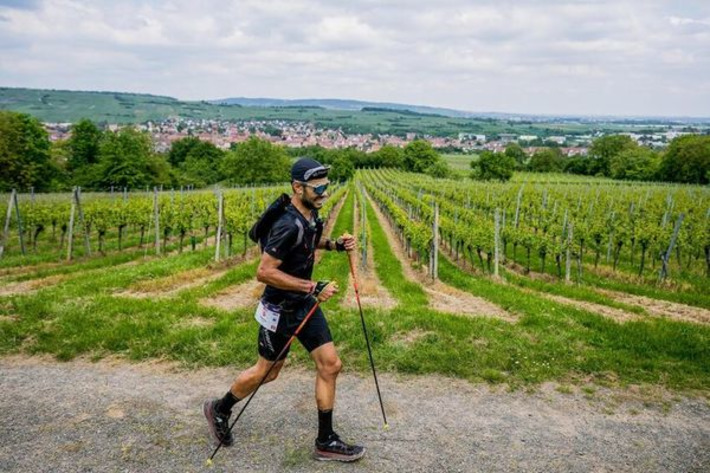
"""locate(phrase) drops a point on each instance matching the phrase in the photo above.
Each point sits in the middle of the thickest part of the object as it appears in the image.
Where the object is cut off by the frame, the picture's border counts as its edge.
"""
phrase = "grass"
(459, 162)
(688, 288)
(553, 338)
(47, 250)
(84, 315)
(577, 292)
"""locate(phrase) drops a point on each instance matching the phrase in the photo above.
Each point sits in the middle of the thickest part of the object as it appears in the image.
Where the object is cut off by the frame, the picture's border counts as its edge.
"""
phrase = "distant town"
(302, 134)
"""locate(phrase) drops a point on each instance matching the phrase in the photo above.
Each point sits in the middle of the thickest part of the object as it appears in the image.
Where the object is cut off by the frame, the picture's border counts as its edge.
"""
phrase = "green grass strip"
(334, 265)
(582, 293)
(691, 288)
(701, 299)
(654, 350)
(389, 267)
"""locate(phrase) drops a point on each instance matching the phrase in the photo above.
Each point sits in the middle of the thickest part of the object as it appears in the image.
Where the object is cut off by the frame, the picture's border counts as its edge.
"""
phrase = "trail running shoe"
(218, 423)
(336, 449)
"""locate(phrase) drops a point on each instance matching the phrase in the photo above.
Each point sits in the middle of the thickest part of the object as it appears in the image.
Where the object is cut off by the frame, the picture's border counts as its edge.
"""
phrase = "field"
(459, 162)
(612, 322)
(591, 365)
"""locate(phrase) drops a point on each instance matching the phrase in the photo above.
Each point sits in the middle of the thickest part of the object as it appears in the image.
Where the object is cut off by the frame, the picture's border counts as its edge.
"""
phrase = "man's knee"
(330, 366)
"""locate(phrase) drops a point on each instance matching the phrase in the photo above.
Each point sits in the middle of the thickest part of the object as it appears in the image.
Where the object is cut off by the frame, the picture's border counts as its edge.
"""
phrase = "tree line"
(685, 160)
(99, 159)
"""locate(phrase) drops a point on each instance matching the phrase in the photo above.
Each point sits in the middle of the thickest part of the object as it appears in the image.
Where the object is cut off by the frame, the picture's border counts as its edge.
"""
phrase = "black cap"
(306, 169)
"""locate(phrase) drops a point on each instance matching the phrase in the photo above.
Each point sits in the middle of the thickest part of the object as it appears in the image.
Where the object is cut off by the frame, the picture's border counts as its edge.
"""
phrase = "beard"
(314, 203)
(308, 203)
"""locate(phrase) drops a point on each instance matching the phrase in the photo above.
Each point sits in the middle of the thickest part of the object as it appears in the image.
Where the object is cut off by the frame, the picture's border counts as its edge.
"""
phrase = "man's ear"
(297, 187)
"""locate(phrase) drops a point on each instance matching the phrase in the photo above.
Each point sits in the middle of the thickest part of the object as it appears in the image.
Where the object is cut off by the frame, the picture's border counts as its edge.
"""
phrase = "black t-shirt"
(292, 240)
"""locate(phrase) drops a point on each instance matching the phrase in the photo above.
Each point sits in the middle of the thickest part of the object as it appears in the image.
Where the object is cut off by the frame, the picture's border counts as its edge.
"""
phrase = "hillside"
(123, 108)
(340, 104)
(61, 106)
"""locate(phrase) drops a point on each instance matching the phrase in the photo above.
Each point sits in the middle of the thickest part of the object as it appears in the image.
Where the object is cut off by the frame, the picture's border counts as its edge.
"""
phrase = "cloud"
(19, 4)
(336, 32)
(603, 56)
(677, 21)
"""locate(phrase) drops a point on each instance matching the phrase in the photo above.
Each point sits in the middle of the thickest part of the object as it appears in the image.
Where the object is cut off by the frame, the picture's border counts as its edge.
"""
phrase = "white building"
(472, 137)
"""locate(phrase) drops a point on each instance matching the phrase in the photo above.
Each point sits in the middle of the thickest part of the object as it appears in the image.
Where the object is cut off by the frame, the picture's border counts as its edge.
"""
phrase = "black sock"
(325, 424)
(225, 404)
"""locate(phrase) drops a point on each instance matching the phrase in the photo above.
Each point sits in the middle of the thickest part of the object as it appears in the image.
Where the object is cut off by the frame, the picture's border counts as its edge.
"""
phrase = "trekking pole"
(283, 350)
(351, 255)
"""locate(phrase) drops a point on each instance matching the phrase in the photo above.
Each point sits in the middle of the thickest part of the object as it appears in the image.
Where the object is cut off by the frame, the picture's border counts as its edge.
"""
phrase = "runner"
(286, 267)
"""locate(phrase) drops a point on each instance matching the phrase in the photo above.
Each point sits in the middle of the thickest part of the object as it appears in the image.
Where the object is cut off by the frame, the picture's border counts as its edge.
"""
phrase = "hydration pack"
(259, 232)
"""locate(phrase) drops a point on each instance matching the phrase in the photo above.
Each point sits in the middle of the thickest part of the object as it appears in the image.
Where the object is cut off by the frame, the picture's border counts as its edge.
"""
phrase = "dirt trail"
(619, 315)
(172, 284)
(654, 307)
(236, 297)
(111, 416)
(15, 271)
(442, 297)
(662, 308)
(31, 285)
(372, 292)
(155, 288)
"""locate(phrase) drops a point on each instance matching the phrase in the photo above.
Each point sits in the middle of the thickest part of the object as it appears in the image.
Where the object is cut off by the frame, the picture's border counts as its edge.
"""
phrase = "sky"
(583, 57)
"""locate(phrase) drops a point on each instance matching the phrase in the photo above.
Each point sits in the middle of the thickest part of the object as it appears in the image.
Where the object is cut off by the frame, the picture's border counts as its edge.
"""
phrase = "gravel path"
(118, 417)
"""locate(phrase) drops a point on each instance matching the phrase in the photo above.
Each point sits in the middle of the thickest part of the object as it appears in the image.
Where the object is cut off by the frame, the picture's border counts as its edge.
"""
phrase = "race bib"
(268, 315)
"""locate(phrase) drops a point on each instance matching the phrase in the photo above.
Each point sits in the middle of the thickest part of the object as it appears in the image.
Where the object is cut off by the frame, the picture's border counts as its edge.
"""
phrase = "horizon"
(536, 57)
(474, 113)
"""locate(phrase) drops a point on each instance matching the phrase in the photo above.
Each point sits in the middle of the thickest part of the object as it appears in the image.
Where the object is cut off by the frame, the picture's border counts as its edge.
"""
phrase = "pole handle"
(351, 260)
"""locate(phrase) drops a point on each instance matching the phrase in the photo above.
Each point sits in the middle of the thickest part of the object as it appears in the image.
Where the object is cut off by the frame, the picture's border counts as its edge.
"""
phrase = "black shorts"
(314, 334)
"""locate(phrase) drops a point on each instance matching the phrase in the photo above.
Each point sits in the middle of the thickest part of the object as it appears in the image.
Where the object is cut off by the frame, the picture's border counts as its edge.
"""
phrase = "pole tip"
(208, 462)
(387, 427)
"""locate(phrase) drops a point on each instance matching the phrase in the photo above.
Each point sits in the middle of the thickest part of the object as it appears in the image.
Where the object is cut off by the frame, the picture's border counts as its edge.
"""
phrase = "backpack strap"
(259, 232)
(319, 229)
(301, 231)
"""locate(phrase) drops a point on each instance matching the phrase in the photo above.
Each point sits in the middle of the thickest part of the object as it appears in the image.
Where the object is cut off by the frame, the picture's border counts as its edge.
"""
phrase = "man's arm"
(269, 273)
(325, 244)
(348, 241)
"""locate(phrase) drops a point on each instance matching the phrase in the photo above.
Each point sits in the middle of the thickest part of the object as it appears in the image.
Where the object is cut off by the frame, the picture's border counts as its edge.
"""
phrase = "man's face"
(308, 195)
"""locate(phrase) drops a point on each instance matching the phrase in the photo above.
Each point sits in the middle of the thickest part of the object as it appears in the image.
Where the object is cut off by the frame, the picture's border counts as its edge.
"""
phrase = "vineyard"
(519, 283)
(51, 227)
(634, 229)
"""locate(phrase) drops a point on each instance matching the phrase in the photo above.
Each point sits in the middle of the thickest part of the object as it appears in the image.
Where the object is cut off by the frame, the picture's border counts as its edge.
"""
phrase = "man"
(286, 267)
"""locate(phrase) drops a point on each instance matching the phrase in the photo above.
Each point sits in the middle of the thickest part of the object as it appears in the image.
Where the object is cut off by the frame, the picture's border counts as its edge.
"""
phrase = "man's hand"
(324, 290)
(346, 242)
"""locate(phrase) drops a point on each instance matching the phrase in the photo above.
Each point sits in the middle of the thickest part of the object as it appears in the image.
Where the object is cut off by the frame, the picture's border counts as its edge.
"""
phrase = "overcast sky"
(537, 56)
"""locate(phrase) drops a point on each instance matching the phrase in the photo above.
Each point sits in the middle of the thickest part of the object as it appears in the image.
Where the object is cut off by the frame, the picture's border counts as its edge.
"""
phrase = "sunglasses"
(319, 190)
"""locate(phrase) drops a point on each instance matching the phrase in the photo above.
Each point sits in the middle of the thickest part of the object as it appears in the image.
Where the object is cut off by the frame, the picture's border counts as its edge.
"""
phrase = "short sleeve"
(282, 238)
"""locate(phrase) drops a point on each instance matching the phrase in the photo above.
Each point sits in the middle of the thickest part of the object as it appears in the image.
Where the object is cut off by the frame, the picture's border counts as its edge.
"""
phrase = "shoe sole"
(210, 424)
(330, 456)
